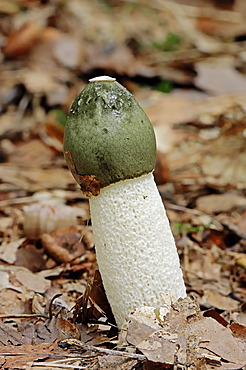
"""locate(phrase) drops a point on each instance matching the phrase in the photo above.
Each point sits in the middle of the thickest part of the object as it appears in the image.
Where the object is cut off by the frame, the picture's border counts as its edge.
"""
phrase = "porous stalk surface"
(135, 248)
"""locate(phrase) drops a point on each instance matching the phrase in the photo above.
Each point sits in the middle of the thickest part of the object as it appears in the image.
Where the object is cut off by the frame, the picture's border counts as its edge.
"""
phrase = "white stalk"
(135, 248)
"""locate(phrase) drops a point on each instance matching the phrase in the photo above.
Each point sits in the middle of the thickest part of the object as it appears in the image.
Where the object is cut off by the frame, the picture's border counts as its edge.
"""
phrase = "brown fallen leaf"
(120, 59)
(63, 246)
(220, 341)
(239, 331)
(39, 81)
(218, 161)
(36, 179)
(58, 253)
(167, 109)
(9, 336)
(39, 331)
(217, 203)
(35, 150)
(8, 251)
(161, 172)
(97, 294)
(31, 257)
(52, 132)
(68, 329)
(7, 7)
(236, 223)
(13, 302)
(218, 300)
(5, 284)
(219, 79)
(117, 362)
(17, 357)
(184, 335)
(22, 40)
(214, 27)
(67, 51)
(32, 281)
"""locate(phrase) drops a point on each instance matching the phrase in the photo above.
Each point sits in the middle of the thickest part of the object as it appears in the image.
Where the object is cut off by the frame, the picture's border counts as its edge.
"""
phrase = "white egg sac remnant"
(135, 248)
(45, 218)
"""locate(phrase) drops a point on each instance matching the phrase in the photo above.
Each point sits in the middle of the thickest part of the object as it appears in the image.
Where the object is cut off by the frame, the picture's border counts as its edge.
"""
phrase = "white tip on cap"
(102, 78)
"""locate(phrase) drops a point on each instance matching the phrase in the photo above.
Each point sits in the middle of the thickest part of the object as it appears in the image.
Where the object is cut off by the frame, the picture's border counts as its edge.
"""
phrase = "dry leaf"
(23, 40)
(219, 79)
(7, 7)
(165, 110)
(116, 362)
(31, 257)
(19, 356)
(8, 251)
(184, 335)
(218, 300)
(13, 302)
(32, 281)
(5, 284)
(217, 203)
(39, 81)
(33, 153)
(58, 247)
(36, 179)
(67, 51)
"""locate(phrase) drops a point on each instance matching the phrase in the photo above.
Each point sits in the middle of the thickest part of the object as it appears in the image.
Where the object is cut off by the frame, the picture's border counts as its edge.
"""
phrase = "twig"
(50, 364)
(176, 207)
(51, 355)
(193, 11)
(77, 343)
(9, 202)
(67, 360)
(23, 316)
(51, 302)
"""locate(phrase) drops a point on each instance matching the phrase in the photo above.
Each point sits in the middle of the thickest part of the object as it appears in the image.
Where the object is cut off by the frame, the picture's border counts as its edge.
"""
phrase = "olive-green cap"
(108, 137)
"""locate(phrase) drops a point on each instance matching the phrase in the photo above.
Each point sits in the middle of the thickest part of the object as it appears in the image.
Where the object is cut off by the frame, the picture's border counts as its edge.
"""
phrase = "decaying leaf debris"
(186, 337)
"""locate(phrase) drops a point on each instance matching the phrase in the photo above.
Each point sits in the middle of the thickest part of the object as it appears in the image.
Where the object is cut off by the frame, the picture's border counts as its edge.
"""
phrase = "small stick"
(77, 343)
(51, 364)
(51, 302)
(68, 356)
(23, 316)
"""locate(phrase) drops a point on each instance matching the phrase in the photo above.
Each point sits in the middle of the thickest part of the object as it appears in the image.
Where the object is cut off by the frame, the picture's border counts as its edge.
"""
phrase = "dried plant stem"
(23, 316)
(79, 344)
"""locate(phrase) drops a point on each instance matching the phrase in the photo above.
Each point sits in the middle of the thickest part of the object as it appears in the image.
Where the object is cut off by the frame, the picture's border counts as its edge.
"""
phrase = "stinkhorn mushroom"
(110, 148)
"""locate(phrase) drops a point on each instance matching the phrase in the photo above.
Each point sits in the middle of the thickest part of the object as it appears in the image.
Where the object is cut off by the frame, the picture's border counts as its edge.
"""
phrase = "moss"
(108, 135)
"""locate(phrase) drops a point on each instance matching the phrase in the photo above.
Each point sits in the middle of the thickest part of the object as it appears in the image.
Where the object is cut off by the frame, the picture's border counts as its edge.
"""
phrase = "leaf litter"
(196, 53)
(186, 335)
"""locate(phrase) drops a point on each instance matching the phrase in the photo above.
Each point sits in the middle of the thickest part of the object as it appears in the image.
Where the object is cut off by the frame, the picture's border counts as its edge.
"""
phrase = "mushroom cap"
(108, 137)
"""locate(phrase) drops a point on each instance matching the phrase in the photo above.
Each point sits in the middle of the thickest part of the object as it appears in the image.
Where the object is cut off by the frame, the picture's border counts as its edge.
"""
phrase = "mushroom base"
(135, 248)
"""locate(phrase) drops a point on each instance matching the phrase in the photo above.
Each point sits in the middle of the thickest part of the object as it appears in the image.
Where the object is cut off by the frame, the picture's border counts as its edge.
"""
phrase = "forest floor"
(184, 61)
